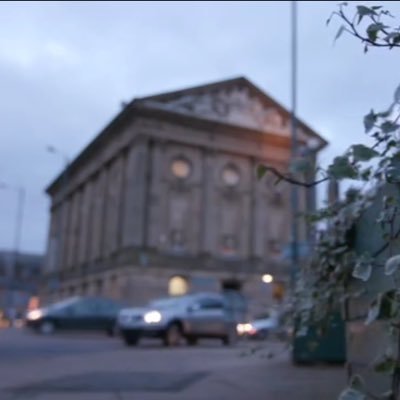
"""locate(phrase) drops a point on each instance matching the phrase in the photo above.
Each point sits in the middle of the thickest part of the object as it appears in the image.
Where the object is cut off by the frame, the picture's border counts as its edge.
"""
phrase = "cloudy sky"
(66, 67)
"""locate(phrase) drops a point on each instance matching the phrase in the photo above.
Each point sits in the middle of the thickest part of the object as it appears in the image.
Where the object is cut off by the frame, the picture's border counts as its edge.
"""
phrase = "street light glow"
(267, 278)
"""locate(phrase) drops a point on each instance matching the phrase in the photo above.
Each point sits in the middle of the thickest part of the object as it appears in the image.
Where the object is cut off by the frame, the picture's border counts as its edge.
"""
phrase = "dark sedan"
(76, 313)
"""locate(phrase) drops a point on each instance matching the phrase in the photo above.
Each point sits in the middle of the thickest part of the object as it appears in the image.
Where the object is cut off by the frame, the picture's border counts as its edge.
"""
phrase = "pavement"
(94, 367)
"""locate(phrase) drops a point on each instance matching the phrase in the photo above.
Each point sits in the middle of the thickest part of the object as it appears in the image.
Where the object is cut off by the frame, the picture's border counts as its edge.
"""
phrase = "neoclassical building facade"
(166, 199)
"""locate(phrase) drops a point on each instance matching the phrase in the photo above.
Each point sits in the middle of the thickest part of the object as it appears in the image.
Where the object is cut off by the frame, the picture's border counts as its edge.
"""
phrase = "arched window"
(178, 286)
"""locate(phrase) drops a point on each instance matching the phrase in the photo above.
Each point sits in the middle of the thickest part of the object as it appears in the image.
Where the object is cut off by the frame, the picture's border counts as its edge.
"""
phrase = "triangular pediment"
(235, 102)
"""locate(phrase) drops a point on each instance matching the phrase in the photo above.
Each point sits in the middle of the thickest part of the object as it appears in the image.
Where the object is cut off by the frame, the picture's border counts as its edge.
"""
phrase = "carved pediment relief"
(234, 105)
(236, 101)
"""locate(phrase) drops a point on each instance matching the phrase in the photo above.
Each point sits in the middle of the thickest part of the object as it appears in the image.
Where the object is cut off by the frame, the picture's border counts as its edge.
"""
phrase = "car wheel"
(130, 340)
(47, 328)
(173, 335)
(192, 341)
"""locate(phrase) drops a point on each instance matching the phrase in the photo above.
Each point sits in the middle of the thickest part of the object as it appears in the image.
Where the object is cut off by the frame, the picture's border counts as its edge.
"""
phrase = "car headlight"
(244, 328)
(152, 317)
(34, 315)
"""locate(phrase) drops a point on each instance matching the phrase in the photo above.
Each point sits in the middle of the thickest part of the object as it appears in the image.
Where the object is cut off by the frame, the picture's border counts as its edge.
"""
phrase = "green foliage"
(384, 307)
(369, 121)
(392, 265)
(337, 273)
(363, 267)
(352, 394)
(363, 153)
(389, 126)
(386, 365)
(355, 390)
(261, 171)
(341, 168)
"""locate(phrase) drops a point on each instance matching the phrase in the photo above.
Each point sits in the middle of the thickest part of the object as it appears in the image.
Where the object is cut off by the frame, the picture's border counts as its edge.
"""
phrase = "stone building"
(166, 199)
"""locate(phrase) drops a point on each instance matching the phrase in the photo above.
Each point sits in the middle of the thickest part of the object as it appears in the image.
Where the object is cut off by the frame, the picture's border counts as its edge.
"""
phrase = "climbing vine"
(339, 273)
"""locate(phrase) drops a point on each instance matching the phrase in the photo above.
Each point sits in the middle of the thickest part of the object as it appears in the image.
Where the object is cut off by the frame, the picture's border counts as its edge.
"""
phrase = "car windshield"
(263, 316)
(64, 303)
(166, 303)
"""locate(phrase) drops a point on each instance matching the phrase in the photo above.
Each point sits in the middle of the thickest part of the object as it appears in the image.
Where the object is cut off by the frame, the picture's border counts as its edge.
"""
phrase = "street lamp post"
(294, 189)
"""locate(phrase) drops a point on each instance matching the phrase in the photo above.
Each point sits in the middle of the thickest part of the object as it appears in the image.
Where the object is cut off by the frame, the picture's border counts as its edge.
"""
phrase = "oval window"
(180, 168)
(230, 176)
(178, 286)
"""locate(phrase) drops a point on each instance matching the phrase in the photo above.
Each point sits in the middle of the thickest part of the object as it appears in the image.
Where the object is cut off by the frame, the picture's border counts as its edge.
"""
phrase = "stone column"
(135, 189)
(97, 216)
(210, 208)
(112, 207)
(87, 198)
(66, 207)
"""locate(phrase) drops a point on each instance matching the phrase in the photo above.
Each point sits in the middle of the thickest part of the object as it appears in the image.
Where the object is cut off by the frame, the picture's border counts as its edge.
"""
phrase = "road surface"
(94, 367)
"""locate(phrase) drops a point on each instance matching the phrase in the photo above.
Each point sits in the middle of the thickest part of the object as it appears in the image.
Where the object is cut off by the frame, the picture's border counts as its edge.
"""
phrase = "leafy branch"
(377, 33)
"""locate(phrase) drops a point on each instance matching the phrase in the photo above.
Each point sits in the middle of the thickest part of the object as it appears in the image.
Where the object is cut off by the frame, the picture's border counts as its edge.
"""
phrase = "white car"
(260, 327)
(190, 317)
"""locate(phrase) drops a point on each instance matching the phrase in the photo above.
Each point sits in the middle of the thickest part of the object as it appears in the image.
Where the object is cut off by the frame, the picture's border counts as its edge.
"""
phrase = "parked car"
(75, 313)
(262, 326)
(188, 317)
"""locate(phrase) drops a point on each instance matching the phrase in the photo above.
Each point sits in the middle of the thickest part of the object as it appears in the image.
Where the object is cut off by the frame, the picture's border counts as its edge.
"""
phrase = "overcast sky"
(66, 67)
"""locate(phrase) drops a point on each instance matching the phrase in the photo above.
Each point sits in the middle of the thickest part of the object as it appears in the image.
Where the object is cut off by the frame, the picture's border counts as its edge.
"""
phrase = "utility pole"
(294, 147)
(18, 223)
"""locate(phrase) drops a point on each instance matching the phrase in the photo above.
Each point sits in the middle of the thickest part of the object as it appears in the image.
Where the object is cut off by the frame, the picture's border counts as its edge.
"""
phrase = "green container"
(329, 346)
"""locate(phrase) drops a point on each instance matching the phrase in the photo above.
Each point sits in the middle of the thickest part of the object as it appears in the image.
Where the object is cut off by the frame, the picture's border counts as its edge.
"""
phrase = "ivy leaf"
(261, 171)
(392, 36)
(386, 365)
(374, 310)
(392, 265)
(389, 126)
(369, 120)
(341, 168)
(366, 175)
(352, 394)
(383, 307)
(392, 172)
(339, 33)
(362, 270)
(357, 383)
(373, 29)
(363, 153)
(397, 95)
(363, 11)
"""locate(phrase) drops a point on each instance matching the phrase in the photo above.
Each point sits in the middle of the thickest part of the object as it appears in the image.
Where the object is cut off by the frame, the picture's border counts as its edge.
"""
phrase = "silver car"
(190, 317)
